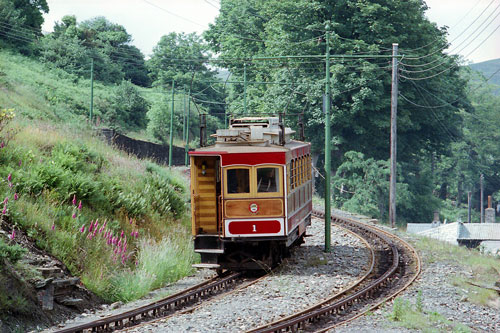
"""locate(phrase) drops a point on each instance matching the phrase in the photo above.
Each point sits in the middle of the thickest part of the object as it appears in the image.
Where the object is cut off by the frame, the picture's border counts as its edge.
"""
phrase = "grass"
(59, 162)
(415, 317)
(480, 267)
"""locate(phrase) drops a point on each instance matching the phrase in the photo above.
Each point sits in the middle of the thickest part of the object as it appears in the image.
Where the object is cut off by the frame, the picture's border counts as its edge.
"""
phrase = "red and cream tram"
(251, 195)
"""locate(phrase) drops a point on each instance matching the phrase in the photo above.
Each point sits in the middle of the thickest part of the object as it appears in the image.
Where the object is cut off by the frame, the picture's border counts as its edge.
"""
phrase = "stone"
(71, 301)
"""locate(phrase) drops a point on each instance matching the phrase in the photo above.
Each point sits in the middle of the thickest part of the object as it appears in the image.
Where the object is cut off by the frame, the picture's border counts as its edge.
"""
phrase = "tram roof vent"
(253, 131)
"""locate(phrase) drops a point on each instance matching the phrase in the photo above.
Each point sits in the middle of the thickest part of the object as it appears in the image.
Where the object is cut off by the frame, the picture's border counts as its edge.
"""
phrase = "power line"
(172, 13)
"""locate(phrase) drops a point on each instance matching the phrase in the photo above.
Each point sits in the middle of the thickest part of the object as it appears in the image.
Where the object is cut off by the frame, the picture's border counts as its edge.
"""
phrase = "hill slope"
(487, 68)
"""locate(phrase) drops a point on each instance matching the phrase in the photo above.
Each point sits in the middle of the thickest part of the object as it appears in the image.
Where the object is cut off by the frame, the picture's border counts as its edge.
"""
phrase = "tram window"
(238, 181)
(267, 180)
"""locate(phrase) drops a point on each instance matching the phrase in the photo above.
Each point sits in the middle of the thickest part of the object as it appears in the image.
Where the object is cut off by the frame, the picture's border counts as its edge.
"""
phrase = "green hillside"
(488, 68)
(119, 223)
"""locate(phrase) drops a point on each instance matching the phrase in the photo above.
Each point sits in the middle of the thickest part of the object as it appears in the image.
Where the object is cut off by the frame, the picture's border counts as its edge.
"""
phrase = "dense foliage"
(360, 87)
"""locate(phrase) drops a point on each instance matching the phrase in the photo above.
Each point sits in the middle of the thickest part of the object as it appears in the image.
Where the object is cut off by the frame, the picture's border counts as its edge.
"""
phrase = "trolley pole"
(394, 111)
(171, 126)
(328, 159)
(245, 88)
(91, 89)
(186, 149)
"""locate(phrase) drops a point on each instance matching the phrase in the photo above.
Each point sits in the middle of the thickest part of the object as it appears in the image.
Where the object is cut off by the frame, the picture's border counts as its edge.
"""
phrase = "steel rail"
(158, 308)
(298, 321)
(418, 270)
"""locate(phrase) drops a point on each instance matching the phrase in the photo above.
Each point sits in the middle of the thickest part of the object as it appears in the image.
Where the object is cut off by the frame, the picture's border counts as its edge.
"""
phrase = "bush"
(12, 253)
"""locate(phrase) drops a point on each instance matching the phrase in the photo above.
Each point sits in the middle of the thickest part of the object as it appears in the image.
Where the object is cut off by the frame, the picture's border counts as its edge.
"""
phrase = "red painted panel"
(253, 158)
(254, 227)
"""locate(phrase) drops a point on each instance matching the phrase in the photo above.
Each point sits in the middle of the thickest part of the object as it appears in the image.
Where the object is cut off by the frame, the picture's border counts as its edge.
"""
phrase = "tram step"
(206, 265)
(218, 251)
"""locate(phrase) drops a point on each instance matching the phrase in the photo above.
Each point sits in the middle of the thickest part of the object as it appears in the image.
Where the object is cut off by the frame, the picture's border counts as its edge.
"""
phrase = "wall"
(143, 149)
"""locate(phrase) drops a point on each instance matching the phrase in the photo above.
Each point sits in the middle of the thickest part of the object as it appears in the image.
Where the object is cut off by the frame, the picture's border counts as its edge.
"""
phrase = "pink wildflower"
(89, 236)
(16, 196)
(91, 226)
(74, 200)
(9, 177)
(2, 144)
(53, 227)
(80, 205)
(120, 243)
(82, 229)
(122, 234)
(101, 229)
(10, 184)
(4, 211)
(109, 241)
(74, 215)
(95, 231)
(13, 234)
(132, 233)
(96, 224)
(130, 220)
(6, 200)
(136, 234)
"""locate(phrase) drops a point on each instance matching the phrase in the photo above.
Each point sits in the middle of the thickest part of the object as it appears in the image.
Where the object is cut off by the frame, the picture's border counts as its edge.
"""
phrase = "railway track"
(397, 266)
(161, 308)
(392, 268)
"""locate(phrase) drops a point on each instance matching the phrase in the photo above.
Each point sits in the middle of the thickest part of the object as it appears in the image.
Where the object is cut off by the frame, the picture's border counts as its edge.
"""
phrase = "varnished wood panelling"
(241, 208)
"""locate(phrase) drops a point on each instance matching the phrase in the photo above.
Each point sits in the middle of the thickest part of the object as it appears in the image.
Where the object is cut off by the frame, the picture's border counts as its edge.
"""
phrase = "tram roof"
(245, 148)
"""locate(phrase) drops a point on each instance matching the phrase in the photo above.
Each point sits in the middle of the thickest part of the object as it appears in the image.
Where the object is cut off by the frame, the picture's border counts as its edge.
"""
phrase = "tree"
(128, 108)
(72, 46)
(182, 57)
(21, 22)
(360, 88)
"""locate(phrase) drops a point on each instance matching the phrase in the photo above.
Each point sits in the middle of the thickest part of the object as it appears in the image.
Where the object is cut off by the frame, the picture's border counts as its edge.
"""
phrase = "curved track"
(160, 308)
(397, 266)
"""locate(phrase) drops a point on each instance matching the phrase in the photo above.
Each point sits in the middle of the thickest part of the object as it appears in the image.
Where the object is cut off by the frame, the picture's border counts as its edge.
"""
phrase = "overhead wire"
(454, 65)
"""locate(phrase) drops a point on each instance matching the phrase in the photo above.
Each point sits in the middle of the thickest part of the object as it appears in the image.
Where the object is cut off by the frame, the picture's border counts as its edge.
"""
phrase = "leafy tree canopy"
(72, 46)
(182, 57)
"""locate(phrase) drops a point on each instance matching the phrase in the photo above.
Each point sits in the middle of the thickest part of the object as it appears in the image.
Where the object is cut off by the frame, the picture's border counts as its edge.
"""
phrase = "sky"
(148, 20)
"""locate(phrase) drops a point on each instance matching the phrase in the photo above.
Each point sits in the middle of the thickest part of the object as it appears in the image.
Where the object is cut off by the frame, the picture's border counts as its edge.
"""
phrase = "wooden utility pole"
(328, 142)
(394, 111)
(481, 181)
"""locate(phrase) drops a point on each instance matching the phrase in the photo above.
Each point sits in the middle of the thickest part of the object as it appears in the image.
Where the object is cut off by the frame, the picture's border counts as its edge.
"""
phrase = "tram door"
(205, 193)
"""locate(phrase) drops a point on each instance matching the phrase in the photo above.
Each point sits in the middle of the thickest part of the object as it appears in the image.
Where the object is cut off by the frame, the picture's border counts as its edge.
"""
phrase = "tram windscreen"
(267, 180)
(238, 181)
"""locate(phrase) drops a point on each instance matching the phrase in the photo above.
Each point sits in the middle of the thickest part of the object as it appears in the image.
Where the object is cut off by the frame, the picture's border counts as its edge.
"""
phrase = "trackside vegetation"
(104, 214)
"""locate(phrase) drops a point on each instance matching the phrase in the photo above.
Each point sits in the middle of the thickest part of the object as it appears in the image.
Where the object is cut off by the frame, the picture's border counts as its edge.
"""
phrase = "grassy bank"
(117, 222)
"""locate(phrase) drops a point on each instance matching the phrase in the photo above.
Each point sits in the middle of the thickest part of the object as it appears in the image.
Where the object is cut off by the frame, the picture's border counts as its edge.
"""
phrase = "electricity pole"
(186, 149)
(171, 126)
(245, 88)
(328, 158)
(91, 89)
(394, 111)
(481, 181)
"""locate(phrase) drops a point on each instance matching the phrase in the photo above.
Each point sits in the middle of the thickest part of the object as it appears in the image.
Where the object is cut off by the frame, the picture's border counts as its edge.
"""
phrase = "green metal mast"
(171, 126)
(91, 89)
(328, 158)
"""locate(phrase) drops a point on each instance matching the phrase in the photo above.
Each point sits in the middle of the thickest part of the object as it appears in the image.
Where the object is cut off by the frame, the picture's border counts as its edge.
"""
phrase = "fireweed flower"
(53, 227)
(2, 144)
(4, 211)
(74, 200)
(9, 177)
(6, 200)
(121, 235)
(10, 184)
(80, 205)
(74, 215)
(91, 226)
(82, 229)
(16, 196)
(13, 234)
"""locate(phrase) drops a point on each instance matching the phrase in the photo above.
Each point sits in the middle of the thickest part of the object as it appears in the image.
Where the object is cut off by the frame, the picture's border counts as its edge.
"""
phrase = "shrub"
(12, 253)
